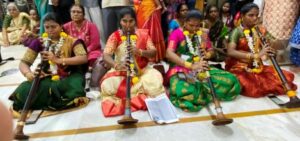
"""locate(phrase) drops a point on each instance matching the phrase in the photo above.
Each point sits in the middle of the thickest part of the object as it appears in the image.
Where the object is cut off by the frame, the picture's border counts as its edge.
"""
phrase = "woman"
(63, 86)
(85, 30)
(295, 48)
(246, 54)
(186, 92)
(217, 33)
(181, 12)
(226, 16)
(149, 17)
(34, 22)
(15, 25)
(146, 81)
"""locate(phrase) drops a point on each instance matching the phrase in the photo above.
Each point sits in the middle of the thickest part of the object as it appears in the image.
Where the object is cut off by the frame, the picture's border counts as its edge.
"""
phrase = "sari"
(14, 27)
(67, 92)
(255, 84)
(88, 32)
(113, 84)
(150, 18)
(190, 96)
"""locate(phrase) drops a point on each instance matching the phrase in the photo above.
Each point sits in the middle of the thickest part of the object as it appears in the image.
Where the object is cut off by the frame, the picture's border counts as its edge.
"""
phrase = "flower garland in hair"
(257, 68)
(132, 65)
(56, 50)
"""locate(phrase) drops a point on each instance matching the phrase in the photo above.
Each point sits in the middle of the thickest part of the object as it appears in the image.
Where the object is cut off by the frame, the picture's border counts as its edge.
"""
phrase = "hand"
(201, 66)
(135, 51)
(30, 76)
(269, 51)
(48, 55)
(120, 67)
(6, 43)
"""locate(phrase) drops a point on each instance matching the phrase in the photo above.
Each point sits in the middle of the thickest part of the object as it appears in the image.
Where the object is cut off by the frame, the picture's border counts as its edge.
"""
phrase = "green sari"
(67, 92)
(194, 96)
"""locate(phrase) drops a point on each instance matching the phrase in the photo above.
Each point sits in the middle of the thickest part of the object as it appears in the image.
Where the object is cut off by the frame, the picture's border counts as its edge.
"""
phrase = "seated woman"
(188, 90)
(15, 24)
(146, 81)
(34, 22)
(85, 30)
(63, 86)
(181, 11)
(246, 55)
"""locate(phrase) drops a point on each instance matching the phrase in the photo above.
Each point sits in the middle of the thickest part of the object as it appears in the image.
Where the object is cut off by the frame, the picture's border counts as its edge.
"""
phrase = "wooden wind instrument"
(294, 101)
(220, 117)
(19, 134)
(127, 118)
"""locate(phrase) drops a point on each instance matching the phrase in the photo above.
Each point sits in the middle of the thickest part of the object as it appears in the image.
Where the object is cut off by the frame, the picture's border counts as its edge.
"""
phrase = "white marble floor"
(254, 119)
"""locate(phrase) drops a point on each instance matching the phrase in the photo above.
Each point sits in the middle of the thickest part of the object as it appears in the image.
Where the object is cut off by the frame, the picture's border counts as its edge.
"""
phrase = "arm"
(5, 37)
(151, 50)
(94, 41)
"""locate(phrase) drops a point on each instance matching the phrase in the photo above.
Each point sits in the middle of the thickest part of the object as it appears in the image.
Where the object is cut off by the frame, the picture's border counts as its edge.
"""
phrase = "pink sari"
(89, 34)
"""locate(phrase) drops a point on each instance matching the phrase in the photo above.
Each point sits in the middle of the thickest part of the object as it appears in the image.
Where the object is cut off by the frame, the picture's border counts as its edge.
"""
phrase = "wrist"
(115, 66)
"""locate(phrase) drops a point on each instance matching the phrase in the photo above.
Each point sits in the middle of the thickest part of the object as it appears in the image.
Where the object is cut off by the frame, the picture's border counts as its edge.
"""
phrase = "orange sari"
(150, 18)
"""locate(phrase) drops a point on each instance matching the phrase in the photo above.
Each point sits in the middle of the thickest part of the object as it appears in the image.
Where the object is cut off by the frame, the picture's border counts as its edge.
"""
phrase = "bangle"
(63, 61)
(187, 64)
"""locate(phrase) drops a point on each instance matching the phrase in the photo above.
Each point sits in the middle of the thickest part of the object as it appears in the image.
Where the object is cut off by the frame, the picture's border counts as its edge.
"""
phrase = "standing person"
(93, 13)
(186, 65)
(62, 85)
(43, 7)
(181, 12)
(146, 81)
(148, 14)
(217, 33)
(226, 15)
(87, 31)
(279, 18)
(62, 8)
(110, 15)
(295, 48)
(246, 54)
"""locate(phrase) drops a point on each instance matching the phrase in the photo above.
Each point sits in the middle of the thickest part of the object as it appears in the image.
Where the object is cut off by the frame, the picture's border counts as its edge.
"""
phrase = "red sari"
(150, 18)
(255, 84)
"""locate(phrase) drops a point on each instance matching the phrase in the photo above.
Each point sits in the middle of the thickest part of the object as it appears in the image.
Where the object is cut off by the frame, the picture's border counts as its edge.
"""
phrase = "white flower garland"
(193, 50)
(251, 45)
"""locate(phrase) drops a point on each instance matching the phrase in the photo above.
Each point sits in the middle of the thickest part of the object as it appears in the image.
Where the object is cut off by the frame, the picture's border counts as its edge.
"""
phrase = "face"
(213, 13)
(13, 10)
(33, 14)
(192, 25)
(76, 13)
(53, 29)
(127, 23)
(250, 18)
(183, 11)
(226, 7)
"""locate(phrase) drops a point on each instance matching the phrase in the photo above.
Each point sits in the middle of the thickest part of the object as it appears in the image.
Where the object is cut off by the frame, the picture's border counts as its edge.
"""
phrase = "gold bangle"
(20, 123)
(187, 64)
